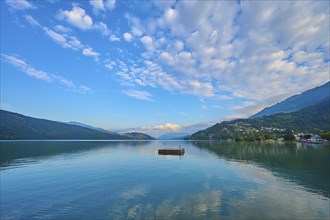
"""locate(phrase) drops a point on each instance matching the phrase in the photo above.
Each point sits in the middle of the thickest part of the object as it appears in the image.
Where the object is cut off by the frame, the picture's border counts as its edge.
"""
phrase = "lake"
(129, 180)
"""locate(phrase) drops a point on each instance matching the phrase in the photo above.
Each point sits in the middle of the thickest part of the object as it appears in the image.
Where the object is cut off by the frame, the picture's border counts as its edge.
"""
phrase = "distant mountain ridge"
(84, 125)
(312, 119)
(173, 136)
(138, 136)
(307, 112)
(130, 135)
(297, 102)
(14, 126)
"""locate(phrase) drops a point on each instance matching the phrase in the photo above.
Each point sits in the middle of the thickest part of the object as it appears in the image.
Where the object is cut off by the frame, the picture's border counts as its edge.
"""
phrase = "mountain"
(138, 136)
(297, 102)
(84, 125)
(129, 135)
(173, 136)
(313, 119)
(15, 126)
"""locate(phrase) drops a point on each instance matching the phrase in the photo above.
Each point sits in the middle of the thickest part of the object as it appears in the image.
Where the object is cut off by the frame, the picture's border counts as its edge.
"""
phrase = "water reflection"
(134, 192)
(197, 206)
(307, 165)
(129, 180)
(16, 153)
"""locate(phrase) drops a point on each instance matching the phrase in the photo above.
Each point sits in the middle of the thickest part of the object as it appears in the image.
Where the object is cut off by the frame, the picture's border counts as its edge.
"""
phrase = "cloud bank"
(258, 52)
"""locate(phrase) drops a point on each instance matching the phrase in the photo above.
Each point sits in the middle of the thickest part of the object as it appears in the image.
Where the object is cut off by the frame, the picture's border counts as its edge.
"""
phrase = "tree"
(325, 135)
(289, 137)
(239, 138)
(307, 136)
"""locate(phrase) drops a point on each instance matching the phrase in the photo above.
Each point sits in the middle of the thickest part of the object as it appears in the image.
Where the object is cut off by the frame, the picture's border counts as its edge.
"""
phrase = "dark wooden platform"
(171, 151)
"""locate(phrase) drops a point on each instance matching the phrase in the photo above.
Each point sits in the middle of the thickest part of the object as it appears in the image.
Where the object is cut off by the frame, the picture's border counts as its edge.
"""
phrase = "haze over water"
(129, 180)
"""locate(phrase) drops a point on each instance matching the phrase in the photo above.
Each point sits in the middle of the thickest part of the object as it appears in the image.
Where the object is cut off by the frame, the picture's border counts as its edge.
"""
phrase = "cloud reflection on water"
(197, 206)
(127, 180)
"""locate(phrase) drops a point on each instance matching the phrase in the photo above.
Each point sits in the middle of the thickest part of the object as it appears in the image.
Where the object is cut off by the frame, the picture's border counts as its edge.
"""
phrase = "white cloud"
(42, 75)
(167, 127)
(101, 5)
(24, 67)
(105, 31)
(74, 43)
(178, 46)
(55, 36)
(137, 28)
(63, 81)
(170, 15)
(136, 31)
(142, 95)
(97, 5)
(77, 17)
(110, 4)
(148, 42)
(248, 108)
(156, 130)
(62, 29)
(90, 52)
(224, 97)
(32, 21)
(64, 39)
(85, 89)
(257, 51)
(110, 65)
(102, 27)
(166, 58)
(203, 89)
(114, 37)
(153, 75)
(183, 63)
(19, 4)
(128, 37)
(260, 52)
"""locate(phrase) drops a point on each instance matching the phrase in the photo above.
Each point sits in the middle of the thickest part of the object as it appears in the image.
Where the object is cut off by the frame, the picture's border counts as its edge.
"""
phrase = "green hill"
(15, 126)
(313, 119)
(138, 136)
(297, 102)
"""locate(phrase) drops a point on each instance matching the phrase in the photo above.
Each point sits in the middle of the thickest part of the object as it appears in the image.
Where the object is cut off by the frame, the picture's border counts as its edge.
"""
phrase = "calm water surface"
(129, 180)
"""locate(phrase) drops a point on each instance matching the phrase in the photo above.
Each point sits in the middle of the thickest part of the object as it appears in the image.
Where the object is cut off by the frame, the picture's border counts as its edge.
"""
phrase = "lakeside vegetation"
(312, 120)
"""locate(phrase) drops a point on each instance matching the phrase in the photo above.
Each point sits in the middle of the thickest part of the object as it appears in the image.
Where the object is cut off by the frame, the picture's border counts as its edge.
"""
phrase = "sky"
(158, 66)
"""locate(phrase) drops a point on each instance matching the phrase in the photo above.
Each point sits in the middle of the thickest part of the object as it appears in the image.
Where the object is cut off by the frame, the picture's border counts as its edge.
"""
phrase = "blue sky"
(158, 66)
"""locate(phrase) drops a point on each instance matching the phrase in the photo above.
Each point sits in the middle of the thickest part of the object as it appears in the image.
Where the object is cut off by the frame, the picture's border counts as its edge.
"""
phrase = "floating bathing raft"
(171, 151)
